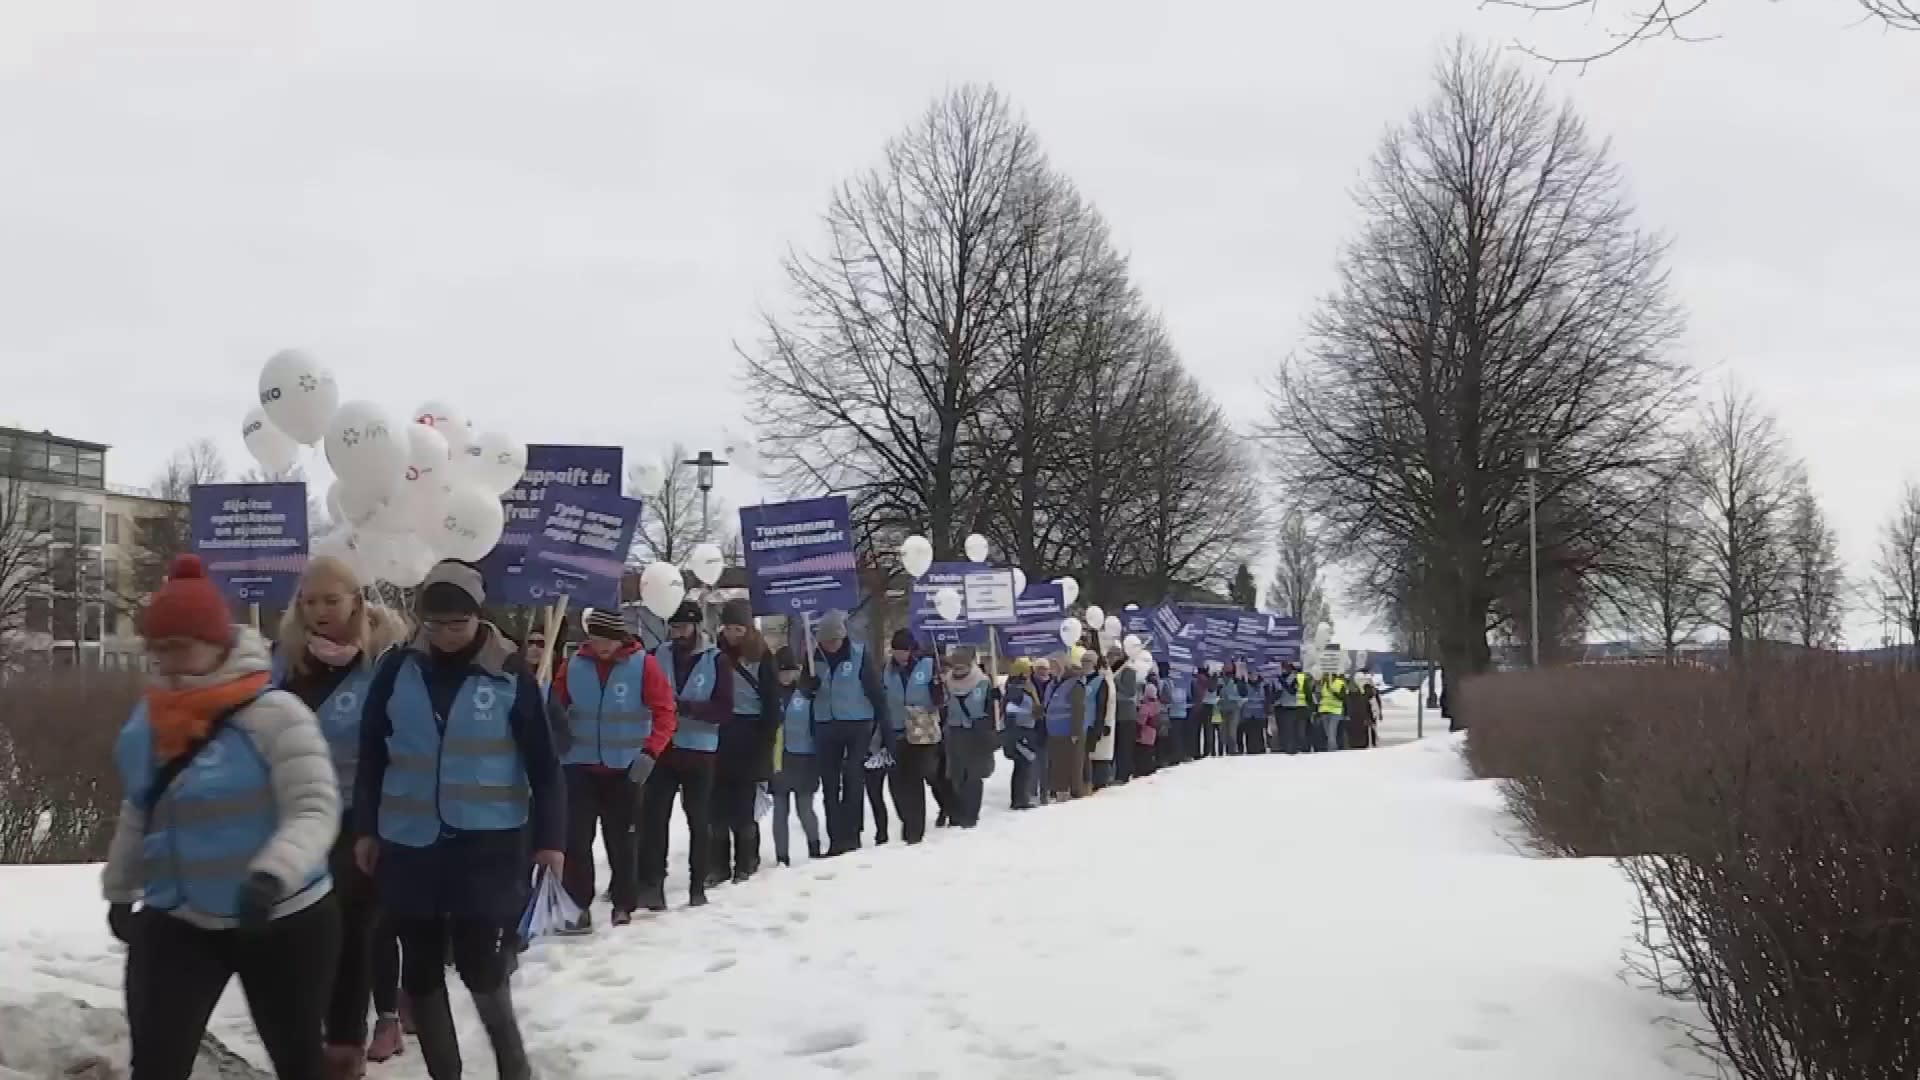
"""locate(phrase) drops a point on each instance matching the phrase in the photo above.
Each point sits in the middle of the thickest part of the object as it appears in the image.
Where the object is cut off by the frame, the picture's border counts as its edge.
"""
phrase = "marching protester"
(457, 773)
(1253, 714)
(1226, 717)
(1065, 712)
(1173, 742)
(1028, 691)
(230, 809)
(796, 778)
(1147, 730)
(1126, 715)
(1290, 720)
(702, 703)
(331, 641)
(847, 700)
(967, 712)
(745, 758)
(1333, 712)
(613, 713)
(912, 704)
(1362, 704)
(1101, 711)
(1205, 697)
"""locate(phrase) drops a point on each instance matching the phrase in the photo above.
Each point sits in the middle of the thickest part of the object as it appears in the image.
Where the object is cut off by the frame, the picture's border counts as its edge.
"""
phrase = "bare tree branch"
(1656, 19)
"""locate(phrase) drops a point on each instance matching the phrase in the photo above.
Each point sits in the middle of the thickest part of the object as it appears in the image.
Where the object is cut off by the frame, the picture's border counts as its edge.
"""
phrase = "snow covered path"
(1345, 916)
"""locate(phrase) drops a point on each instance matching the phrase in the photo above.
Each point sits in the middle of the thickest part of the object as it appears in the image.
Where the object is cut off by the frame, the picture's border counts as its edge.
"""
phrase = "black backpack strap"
(170, 770)
(745, 674)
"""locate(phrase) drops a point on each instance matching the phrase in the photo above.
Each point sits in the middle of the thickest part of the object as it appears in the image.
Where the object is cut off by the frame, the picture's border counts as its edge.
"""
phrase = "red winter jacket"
(655, 690)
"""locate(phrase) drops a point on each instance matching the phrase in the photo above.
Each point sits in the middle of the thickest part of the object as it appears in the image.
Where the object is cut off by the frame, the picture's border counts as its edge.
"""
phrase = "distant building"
(80, 542)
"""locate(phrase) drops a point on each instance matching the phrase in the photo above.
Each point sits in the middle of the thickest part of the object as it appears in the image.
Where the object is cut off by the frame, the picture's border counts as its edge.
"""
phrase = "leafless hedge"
(58, 789)
(1771, 821)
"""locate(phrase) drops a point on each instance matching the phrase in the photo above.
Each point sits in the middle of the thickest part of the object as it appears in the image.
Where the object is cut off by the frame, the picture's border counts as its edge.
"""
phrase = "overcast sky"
(563, 216)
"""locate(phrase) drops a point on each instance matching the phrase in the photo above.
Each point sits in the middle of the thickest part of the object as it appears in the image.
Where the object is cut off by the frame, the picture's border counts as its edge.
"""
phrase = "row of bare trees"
(966, 353)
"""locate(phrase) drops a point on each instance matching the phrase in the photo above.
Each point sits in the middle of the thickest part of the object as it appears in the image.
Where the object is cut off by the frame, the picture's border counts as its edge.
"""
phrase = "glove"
(641, 768)
(121, 922)
(257, 898)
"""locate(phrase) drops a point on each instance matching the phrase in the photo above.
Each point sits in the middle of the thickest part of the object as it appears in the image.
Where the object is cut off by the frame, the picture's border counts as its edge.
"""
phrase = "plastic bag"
(762, 802)
(549, 909)
(878, 760)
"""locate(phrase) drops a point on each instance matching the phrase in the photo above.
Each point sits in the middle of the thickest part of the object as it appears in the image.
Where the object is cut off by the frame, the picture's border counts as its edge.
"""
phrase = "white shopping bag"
(762, 803)
(548, 909)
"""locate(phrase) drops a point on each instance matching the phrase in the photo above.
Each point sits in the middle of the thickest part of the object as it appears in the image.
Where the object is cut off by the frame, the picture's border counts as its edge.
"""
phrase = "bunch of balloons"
(408, 490)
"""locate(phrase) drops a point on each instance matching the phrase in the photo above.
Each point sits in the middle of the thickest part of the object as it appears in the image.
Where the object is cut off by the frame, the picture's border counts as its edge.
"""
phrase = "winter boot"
(503, 1031)
(344, 1062)
(653, 897)
(579, 927)
(387, 1039)
(439, 1039)
(406, 1014)
(697, 897)
(621, 918)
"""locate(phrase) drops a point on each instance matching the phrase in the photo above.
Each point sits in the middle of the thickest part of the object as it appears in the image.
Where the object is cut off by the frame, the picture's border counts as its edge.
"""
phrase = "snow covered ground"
(1356, 916)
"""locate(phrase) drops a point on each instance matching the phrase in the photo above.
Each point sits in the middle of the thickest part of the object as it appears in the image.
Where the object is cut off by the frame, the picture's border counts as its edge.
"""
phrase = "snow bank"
(49, 1035)
(1356, 916)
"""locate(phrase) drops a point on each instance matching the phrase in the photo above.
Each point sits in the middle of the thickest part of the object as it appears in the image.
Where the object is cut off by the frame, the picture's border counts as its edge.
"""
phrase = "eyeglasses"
(456, 622)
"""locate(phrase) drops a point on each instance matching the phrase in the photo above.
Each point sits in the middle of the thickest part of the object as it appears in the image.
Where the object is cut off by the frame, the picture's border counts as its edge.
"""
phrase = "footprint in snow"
(828, 1040)
(632, 1014)
(719, 964)
(711, 1067)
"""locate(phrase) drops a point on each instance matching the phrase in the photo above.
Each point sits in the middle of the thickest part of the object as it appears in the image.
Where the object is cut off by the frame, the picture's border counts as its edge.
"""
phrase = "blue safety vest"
(963, 711)
(339, 717)
(209, 826)
(688, 733)
(1177, 694)
(912, 688)
(609, 724)
(1057, 703)
(1020, 705)
(797, 724)
(462, 771)
(1096, 684)
(746, 691)
(841, 693)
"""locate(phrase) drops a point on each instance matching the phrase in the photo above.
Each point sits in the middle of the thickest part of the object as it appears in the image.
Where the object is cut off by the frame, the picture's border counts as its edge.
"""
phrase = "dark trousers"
(1029, 774)
(176, 973)
(605, 800)
(1292, 725)
(689, 775)
(941, 784)
(840, 747)
(917, 767)
(1253, 734)
(385, 968)
(477, 947)
(1199, 722)
(734, 834)
(1210, 741)
(875, 781)
(354, 972)
(1125, 732)
(1145, 760)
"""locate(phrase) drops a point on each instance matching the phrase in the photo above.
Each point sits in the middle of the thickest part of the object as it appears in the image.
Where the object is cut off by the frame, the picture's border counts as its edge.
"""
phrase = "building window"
(93, 466)
(39, 614)
(66, 517)
(39, 513)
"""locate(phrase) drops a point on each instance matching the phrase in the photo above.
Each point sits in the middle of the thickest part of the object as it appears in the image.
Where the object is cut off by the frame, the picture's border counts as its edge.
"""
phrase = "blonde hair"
(374, 627)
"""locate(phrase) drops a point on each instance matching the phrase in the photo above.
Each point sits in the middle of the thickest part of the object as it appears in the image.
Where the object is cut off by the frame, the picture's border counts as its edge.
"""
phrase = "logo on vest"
(620, 691)
(483, 700)
(345, 702)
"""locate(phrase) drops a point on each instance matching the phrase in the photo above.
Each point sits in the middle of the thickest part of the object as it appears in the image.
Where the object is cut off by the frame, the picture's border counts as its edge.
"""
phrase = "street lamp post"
(704, 465)
(1532, 463)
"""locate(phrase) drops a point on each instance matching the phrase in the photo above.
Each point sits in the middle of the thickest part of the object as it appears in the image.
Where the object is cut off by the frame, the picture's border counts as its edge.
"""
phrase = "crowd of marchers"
(339, 818)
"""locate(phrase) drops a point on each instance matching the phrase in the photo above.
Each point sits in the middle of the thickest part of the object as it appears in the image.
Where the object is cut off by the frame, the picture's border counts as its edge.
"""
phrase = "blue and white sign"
(551, 469)
(580, 550)
(1035, 631)
(800, 557)
(252, 539)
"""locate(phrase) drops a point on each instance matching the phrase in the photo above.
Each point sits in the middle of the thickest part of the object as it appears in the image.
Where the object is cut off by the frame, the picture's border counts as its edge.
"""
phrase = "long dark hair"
(751, 646)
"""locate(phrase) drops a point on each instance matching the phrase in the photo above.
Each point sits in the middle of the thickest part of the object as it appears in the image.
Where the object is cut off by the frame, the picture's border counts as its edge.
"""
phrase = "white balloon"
(706, 563)
(471, 525)
(409, 560)
(493, 460)
(1111, 629)
(949, 603)
(367, 448)
(976, 546)
(662, 588)
(298, 395)
(424, 488)
(269, 446)
(1131, 645)
(1069, 590)
(365, 511)
(1019, 582)
(336, 517)
(453, 425)
(1070, 631)
(1096, 617)
(916, 554)
(346, 545)
(1143, 664)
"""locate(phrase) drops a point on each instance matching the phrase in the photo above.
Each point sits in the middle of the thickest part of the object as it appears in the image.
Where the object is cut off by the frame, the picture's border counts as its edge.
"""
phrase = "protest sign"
(924, 619)
(1035, 631)
(800, 557)
(989, 595)
(252, 538)
(580, 549)
(550, 468)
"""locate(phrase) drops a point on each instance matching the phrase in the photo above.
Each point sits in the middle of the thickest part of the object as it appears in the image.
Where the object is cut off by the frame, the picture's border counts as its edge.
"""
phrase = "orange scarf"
(179, 718)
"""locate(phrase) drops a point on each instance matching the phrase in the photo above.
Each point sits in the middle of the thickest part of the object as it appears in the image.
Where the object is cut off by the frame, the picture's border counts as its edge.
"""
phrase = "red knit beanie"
(188, 606)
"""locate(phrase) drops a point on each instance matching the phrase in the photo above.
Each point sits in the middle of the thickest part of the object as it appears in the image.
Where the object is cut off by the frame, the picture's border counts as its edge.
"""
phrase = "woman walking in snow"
(1026, 730)
(331, 641)
(1147, 731)
(229, 813)
(456, 762)
(745, 759)
(1233, 697)
(796, 778)
(967, 715)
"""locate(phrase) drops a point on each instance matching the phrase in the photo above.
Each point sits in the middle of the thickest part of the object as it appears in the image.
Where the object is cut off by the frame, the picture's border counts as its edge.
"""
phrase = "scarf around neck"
(180, 718)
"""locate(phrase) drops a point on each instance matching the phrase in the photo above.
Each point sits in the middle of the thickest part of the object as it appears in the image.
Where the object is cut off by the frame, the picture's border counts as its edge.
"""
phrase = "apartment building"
(79, 545)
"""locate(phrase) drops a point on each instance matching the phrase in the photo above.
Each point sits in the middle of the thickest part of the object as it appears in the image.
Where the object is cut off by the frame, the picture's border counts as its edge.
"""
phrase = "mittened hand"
(257, 898)
(641, 768)
(120, 922)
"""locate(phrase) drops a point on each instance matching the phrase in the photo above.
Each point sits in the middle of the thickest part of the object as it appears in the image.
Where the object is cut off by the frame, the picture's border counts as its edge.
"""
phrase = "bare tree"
(671, 522)
(1746, 480)
(1895, 581)
(1498, 296)
(25, 571)
(1662, 592)
(168, 532)
(1296, 590)
(1200, 499)
(1813, 583)
(1650, 20)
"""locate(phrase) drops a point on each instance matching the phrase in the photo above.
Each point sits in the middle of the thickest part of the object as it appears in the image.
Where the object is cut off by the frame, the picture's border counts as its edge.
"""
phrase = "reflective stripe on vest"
(1333, 696)
(689, 733)
(842, 696)
(796, 724)
(1021, 707)
(209, 826)
(912, 688)
(963, 711)
(469, 777)
(746, 695)
(609, 724)
(1056, 702)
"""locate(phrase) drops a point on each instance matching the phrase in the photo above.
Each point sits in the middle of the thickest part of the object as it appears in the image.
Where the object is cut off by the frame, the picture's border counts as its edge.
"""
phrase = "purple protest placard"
(800, 557)
(550, 468)
(252, 538)
(580, 549)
